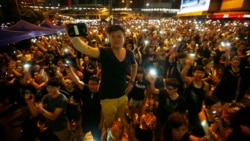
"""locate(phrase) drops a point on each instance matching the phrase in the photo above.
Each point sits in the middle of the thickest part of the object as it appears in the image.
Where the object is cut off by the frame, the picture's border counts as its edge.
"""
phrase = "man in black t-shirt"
(116, 63)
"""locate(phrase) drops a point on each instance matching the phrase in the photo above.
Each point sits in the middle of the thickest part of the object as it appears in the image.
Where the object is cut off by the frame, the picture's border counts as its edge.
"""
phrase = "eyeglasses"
(170, 88)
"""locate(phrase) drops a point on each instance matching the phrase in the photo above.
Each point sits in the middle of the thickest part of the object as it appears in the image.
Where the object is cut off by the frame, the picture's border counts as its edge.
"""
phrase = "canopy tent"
(33, 29)
(24, 30)
(8, 36)
(48, 25)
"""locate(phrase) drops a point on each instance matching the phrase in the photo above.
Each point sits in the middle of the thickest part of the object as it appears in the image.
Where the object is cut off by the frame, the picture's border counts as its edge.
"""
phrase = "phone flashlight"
(152, 72)
(222, 44)
(67, 62)
(228, 44)
(192, 54)
(66, 50)
(26, 65)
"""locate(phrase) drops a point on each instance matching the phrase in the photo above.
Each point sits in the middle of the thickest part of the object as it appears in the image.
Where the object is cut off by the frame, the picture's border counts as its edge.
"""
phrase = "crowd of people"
(155, 80)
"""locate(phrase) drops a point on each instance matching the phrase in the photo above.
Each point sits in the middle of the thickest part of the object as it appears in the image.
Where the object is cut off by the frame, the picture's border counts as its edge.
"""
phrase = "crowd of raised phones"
(193, 76)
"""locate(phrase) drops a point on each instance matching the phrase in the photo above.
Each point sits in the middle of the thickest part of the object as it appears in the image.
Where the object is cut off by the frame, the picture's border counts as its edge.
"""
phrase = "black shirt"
(114, 72)
(167, 106)
(138, 90)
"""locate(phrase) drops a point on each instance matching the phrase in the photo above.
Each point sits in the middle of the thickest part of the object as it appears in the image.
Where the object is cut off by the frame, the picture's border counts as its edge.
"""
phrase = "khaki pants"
(113, 109)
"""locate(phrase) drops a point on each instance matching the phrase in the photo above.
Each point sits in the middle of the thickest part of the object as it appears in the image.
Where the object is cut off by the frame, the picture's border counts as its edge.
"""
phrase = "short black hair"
(114, 28)
(94, 78)
(140, 71)
(175, 83)
(54, 81)
(176, 120)
(199, 68)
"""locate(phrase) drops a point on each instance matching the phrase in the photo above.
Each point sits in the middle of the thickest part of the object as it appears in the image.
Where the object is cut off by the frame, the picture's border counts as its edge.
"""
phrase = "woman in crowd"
(176, 129)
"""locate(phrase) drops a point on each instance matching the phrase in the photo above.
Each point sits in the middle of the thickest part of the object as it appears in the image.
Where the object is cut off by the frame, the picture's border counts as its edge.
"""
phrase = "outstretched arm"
(84, 48)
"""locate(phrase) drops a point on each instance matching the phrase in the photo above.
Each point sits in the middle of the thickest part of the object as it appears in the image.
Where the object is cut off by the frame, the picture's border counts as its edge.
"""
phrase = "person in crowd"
(203, 52)
(176, 129)
(138, 95)
(89, 68)
(120, 131)
(211, 119)
(169, 100)
(195, 92)
(116, 63)
(176, 63)
(161, 52)
(73, 107)
(148, 57)
(61, 67)
(91, 111)
(241, 126)
(245, 80)
(229, 87)
(34, 126)
(38, 84)
(53, 107)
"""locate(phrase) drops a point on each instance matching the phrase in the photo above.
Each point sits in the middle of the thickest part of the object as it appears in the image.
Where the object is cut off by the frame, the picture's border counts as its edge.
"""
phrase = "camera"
(75, 30)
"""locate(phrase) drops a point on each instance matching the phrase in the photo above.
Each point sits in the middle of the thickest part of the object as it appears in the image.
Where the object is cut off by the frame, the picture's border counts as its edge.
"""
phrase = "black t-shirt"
(73, 112)
(90, 102)
(167, 106)
(114, 72)
(228, 85)
(138, 90)
(50, 104)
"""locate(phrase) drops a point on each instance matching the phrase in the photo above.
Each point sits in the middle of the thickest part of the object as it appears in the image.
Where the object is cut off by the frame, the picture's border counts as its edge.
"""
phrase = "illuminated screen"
(194, 5)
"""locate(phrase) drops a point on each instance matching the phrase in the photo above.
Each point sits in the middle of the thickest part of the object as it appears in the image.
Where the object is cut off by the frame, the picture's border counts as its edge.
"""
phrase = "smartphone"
(75, 30)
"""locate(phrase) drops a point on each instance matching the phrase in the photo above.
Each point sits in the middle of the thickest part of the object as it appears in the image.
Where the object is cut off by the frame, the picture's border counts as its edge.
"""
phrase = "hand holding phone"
(75, 30)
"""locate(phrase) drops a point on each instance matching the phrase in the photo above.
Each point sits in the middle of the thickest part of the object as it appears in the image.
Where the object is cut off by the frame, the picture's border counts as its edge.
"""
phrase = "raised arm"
(184, 71)
(152, 88)
(75, 78)
(81, 46)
